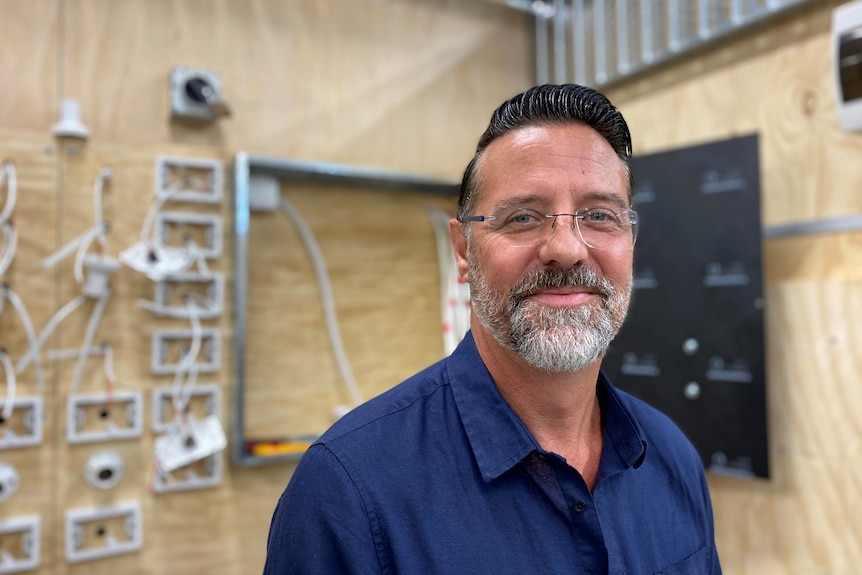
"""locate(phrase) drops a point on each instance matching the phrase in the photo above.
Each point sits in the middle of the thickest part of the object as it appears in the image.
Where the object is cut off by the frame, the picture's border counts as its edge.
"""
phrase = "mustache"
(547, 278)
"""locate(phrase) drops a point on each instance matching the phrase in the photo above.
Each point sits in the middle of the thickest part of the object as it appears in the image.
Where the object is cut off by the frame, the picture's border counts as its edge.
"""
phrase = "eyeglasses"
(598, 228)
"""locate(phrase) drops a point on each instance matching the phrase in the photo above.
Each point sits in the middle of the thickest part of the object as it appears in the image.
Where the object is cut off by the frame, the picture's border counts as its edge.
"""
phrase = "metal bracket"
(205, 229)
(197, 180)
(201, 474)
(205, 400)
(210, 288)
(99, 532)
(19, 544)
(164, 362)
(93, 417)
(25, 427)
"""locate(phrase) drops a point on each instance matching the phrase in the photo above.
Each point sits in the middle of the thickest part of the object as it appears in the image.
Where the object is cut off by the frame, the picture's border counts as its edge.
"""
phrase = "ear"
(459, 245)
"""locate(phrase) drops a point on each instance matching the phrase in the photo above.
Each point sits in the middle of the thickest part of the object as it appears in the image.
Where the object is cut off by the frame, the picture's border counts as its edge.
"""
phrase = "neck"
(561, 410)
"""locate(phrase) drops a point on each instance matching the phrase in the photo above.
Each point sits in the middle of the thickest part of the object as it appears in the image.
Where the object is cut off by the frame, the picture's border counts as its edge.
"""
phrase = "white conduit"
(454, 293)
(8, 405)
(328, 301)
(89, 334)
(28, 329)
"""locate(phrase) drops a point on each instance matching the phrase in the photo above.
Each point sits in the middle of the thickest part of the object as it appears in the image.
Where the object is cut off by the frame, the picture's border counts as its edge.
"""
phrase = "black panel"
(698, 278)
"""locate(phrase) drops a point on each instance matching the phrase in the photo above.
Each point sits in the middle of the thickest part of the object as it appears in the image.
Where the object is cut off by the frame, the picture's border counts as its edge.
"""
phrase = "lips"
(555, 281)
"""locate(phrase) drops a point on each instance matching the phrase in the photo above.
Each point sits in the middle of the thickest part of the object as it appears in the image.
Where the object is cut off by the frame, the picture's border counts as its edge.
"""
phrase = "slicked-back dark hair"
(549, 104)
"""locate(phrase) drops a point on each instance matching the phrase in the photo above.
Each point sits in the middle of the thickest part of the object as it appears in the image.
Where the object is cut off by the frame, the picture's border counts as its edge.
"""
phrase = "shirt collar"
(498, 437)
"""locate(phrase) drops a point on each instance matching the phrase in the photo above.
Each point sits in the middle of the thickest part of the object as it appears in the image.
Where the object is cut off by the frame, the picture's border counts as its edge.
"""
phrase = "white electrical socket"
(19, 544)
(164, 362)
(99, 417)
(209, 287)
(184, 444)
(196, 180)
(24, 428)
(205, 229)
(99, 532)
(204, 400)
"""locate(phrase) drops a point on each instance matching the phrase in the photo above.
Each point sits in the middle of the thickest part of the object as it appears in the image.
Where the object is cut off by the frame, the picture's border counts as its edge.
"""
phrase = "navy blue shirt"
(439, 476)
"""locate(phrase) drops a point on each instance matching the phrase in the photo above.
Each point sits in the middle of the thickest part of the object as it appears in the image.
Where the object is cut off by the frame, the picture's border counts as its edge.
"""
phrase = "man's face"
(554, 301)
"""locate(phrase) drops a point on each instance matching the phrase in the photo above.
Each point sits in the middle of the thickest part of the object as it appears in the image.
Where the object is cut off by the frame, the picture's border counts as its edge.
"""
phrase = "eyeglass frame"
(578, 215)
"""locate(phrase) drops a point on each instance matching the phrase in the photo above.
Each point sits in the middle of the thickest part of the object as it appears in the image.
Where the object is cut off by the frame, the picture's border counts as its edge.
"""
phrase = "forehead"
(559, 165)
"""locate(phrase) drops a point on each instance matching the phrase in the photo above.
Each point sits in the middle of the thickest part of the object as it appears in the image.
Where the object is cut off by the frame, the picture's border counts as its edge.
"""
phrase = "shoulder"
(392, 409)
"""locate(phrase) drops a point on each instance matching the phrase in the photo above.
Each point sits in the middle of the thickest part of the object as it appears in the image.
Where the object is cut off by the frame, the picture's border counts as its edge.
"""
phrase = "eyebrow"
(589, 198)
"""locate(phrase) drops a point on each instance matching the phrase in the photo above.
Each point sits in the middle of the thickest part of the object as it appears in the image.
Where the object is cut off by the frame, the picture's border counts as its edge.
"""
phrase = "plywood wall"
(403, 85)
(778, 82)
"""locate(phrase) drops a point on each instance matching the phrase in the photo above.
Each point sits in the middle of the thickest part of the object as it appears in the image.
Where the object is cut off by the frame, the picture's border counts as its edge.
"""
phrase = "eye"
(523, 218)
(600, 216)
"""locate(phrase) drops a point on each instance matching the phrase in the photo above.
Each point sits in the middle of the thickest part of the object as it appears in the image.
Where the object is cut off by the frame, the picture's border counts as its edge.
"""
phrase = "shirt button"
(579, 506)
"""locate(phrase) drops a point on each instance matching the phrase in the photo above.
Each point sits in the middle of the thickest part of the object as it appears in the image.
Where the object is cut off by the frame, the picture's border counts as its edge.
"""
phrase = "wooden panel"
(29, 47)
(34, 218)
(381, 257)
(379, 84)
(777, 82)
(406, 85)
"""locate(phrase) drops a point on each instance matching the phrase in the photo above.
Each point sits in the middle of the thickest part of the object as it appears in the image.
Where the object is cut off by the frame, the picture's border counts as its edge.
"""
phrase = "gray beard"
(553, 339)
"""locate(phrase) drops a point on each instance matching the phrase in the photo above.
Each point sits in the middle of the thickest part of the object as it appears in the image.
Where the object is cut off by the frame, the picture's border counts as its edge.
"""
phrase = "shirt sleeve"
(320, 525)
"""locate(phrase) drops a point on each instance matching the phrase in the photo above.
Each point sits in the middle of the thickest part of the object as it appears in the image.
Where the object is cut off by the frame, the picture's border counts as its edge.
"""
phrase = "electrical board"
(693, 342)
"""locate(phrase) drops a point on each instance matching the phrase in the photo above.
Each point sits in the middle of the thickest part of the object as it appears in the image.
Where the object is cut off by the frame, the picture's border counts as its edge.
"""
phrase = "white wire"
(89, 334)
(8, 171)
(328, 301)
(31, 333)
(81, 253)
(56, 257)
(152, 212)
(55, 320)
(10, 385)
(454, 294)
(10, 246)
(182, 394)
(98, 194)
(197, 336)
(197, 256)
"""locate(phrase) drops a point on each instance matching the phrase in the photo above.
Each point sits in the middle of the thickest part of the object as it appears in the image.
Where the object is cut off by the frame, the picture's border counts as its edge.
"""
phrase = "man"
(515, 454)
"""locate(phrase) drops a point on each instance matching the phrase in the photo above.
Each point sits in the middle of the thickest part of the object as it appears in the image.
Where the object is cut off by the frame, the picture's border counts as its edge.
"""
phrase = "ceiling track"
(599, 42)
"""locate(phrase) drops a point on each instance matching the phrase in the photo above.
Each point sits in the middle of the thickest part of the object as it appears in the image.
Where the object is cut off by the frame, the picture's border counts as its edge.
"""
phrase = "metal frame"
(293, 171)
(600, 42)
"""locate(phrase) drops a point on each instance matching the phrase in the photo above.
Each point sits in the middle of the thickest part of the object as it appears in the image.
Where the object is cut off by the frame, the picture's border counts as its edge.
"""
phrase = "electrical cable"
(18, 304)
(89, 334)
(52, 324)
(10, 246)
(319, 265)
(9, 404)
(8, 173)
(108, 367)
(98, 193)
(197, 336)
(454, 293)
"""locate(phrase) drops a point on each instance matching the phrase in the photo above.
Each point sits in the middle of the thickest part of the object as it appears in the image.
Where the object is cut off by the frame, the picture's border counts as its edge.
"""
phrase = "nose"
(563, 246)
